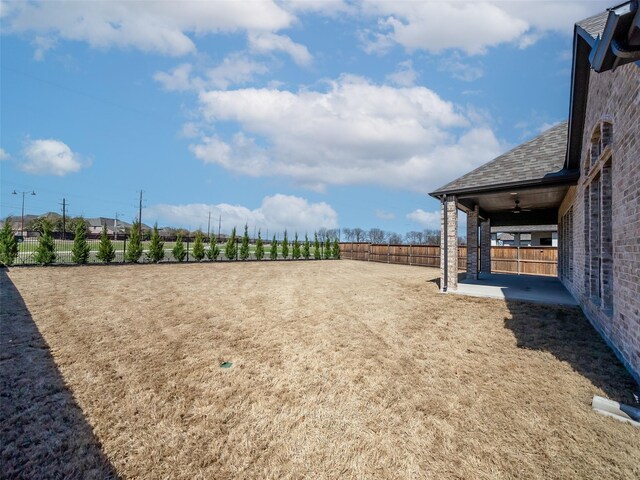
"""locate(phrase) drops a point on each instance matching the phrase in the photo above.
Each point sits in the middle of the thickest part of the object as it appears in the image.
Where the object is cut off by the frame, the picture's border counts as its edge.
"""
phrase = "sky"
(285, 114)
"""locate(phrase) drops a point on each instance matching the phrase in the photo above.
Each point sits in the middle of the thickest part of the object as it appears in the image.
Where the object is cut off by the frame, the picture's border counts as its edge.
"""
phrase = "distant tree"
(296, 247)
(358, 234)
(316, 247)
(348, 234)
(231, 249)
(80, 250)
(306, 247)
(394, 238)
(134, 246)
(333, 233)
(273, 252)
(259, 247)
(285, 246)
(431, 237)
(106, 251)
(214, 250)
(46, 251)
(8, 244)
(198, 246)
(414, 237)
(178, 250)
(376, 235)
(327, 249)
(335, 253)
(322, 234)
(36, 225)
(244, 247)
(156, 246)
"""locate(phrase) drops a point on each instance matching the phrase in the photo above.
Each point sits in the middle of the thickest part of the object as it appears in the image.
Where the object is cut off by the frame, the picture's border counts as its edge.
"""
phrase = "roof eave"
(613, 48)
(563, 177)
(602, 53)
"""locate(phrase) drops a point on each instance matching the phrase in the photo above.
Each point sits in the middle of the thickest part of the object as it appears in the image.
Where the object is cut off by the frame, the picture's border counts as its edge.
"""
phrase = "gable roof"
(593, 26)
(533, 161)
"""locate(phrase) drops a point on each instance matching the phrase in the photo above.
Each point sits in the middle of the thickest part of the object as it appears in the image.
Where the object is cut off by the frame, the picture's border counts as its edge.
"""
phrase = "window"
(598, 212)
(566, 245)
(546, 241)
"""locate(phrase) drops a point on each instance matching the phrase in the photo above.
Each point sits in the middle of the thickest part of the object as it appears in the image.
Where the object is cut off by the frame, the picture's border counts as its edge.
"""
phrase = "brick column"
(472, 244)
(449, 218)
(485, 246)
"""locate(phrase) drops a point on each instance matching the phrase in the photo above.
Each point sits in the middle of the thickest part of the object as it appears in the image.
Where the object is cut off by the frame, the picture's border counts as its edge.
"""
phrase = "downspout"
(445, 267)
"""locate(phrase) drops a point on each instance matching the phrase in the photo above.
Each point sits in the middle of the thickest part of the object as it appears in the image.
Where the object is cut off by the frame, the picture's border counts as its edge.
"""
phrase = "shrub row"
(45, 253)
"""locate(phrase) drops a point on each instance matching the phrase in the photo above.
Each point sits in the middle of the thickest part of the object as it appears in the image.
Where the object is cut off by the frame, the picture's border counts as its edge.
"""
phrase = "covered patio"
(524, 186)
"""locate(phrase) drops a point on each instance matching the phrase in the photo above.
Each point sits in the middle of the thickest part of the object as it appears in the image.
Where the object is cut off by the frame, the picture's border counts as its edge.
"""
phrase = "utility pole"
(140, 216)
(22, 221)
(64, 218)
(219, 223)
(209, 227)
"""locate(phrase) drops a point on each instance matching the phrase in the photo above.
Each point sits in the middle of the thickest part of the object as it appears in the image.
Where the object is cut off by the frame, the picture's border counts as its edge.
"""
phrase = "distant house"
(583, 176)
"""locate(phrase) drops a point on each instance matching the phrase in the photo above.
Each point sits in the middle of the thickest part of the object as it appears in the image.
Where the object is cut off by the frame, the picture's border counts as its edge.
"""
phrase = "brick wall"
(605, 278)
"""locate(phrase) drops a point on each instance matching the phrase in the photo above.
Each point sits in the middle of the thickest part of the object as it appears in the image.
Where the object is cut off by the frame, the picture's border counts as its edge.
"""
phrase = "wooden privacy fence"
(519, 260)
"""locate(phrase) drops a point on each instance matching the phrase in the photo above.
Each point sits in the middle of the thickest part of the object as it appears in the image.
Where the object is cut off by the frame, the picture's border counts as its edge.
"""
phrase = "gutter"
(563, 177)
(616, 47)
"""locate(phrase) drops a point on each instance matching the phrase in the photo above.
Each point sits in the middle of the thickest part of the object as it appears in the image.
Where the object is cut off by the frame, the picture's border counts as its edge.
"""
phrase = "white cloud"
(50, 157)
(355, 132)
(159, 27)
(270, 42)
(42, 44)
(190, 130)
(4, 155)
(425, 219)
(404, 76)
(472, 27)
(460, 70)
(276, 213)
(330, 8)
(178, 79)
(383, 215)
(235, 69)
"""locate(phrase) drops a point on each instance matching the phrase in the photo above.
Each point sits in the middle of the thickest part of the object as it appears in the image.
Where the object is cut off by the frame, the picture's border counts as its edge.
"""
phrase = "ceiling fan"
(518, 208)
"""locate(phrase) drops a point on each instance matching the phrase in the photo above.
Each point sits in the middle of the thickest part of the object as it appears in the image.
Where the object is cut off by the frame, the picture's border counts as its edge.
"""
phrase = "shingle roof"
(532, 160)
(594, 26)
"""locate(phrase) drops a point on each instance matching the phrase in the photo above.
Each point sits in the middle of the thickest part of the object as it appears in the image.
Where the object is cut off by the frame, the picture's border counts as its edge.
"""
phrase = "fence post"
(410, 245)
(388, 253)
(124, 250)
(368, 252)
(351, 251)
(518, 259)
(187, 249)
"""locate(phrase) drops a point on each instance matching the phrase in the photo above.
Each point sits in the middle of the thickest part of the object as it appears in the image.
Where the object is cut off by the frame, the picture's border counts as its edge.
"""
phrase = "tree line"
(377, 235)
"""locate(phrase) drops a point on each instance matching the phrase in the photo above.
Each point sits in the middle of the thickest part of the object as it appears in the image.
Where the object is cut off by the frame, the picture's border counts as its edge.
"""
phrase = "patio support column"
(485, 246)
(472, 243)
(448, 244)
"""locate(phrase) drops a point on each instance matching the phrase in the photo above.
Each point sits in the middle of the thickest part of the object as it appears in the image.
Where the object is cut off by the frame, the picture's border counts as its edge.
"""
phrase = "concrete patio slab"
(528, 288)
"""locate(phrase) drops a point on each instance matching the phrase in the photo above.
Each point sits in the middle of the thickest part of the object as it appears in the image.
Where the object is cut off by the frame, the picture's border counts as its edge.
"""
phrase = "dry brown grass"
(340, 370)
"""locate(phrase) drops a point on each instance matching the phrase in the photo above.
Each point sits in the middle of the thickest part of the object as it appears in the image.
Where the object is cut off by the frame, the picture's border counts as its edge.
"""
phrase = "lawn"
(340, 369)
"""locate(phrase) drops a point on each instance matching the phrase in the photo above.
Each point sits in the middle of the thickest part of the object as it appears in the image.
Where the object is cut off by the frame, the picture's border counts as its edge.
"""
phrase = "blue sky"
(281, 114)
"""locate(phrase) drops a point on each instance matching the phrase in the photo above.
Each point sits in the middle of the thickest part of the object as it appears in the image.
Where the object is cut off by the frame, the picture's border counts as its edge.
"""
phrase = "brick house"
(583, 175)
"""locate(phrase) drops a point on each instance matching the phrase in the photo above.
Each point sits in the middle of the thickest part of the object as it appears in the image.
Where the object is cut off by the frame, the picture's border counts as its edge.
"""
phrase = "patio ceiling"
(539, 205)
